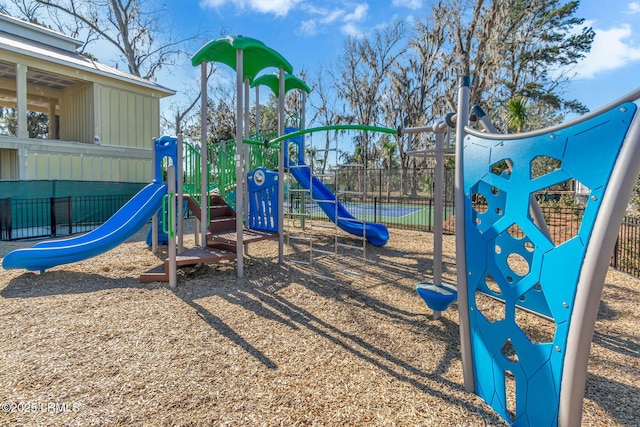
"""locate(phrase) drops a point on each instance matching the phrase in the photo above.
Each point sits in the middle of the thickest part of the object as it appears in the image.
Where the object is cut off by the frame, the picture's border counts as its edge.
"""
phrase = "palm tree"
(517, 115)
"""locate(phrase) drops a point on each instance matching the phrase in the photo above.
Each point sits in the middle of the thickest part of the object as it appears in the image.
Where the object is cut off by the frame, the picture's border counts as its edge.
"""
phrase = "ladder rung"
(323, 201)
(322, 251)
(344, 245)
(325, 149)
(299, 238)
(325, 175)
(352, 273)
(298, 190)
(323, 226)
(324, 277)
(297, 261)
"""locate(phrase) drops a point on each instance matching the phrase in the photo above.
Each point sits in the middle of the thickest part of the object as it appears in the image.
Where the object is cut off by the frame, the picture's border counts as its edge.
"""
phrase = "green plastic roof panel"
(257, 56)
(290, 82)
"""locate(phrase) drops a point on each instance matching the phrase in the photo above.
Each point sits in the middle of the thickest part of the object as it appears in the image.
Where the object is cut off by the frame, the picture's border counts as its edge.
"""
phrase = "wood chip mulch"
(88, 344)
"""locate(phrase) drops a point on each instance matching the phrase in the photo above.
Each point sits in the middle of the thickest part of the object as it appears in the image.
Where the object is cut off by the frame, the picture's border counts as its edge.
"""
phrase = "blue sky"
(310, 34)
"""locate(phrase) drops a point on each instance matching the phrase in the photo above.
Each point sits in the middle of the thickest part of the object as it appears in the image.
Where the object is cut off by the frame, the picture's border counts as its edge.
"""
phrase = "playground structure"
(562, 282)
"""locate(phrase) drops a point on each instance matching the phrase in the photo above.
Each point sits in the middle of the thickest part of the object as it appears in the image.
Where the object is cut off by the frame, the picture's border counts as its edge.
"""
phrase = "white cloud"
(350, 29)
(611, 49)
(276, 7)
(349, 19)
(358, 14)
(308, 28)
(213, 4)
(410, 4)
(633, 8)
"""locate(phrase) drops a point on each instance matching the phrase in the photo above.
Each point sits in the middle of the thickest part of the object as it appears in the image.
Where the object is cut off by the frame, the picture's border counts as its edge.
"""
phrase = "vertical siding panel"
(106, 168)
(76, 168)
(32, 168)
(54, 166)
(105, 111)
(41, 166)
(87, 163)
(114, 116)
(139, 122)
(155, 118)
(131, 120)
(123, 119)
(146, 125)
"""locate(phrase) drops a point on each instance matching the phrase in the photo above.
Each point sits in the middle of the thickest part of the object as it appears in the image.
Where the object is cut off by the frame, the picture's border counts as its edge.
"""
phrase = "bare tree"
(363, 76)
(136, 28)
(511, 48)
(324, 110)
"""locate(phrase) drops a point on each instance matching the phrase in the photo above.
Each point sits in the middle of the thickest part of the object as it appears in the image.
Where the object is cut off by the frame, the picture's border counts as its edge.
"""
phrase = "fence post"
(375, 209)
(70, 213)
(52, 216)
(5, 219)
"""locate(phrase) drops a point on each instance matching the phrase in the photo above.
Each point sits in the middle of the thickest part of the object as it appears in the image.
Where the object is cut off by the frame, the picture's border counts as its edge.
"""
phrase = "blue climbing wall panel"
(263, 200)
(510, 259)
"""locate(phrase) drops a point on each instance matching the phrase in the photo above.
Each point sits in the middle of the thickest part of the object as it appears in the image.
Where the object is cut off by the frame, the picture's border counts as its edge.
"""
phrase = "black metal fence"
(55, 216)
(63, 216)
(626, 254)
(417, 214)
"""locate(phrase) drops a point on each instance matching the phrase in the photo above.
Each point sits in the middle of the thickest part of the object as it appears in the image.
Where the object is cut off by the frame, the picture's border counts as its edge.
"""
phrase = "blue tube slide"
(376, 234)
(123, 224)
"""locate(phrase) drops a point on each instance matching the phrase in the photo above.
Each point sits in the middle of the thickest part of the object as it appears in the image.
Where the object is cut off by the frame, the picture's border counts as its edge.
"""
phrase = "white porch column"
(21, 95)
(53, 128)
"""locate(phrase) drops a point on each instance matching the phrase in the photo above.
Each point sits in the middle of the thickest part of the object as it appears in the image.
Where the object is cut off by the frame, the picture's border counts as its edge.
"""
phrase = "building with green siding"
(101, 121)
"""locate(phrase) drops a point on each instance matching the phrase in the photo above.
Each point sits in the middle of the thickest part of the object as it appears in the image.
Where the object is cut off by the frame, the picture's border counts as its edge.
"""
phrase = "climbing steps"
(221, 240)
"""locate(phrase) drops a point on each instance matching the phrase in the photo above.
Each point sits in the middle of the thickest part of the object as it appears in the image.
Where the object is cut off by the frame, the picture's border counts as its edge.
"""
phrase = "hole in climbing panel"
(543, 165)
(563, 207)
(528, 246)
(538, 329)
(479, 203)
(518, 264)
(515, 231)
(510, 398)
(492, 284)
(501, 168)
(509, 351)
(491, 308)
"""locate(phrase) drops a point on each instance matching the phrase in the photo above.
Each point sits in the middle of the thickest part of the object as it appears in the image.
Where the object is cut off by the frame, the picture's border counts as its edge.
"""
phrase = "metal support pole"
(257, 109)
(171, 226)
(463, 297)
(204, 169)
(239, 166)
(438, 215)
(247, 157)
(180, 209)
(154, 218)
(281, 97)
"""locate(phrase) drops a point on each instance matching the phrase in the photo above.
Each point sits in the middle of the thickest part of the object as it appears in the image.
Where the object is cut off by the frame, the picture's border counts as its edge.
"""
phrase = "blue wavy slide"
(123, 224)
(376, 234)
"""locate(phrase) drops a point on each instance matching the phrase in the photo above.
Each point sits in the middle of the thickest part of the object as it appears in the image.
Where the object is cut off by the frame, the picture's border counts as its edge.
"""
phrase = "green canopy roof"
(257, 56)
(272, 81)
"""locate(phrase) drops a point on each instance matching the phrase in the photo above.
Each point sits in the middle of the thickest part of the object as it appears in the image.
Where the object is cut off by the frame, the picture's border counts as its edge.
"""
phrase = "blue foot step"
(437, 297)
